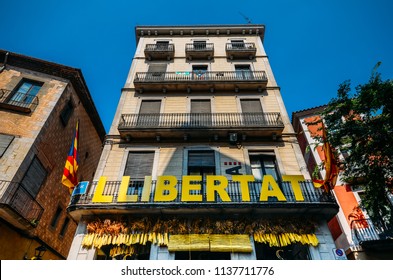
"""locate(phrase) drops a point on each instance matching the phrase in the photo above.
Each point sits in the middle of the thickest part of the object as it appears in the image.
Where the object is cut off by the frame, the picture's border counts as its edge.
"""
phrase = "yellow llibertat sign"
(191, 189)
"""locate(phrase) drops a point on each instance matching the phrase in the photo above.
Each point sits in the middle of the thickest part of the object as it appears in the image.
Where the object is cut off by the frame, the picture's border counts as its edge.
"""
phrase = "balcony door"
(149, 113)
(199, 72)
(252, 112)
(200, 113)
(199, 45)
(156, 72)
(139, 165)
(243, 72)
(25, 93)
(264, 164)
(162, 45)
(201, 163)
(237, 44)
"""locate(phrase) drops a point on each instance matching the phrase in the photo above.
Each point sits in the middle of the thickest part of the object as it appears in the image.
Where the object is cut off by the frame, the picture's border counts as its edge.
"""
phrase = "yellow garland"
(285, 239)
(140, 231)
(280, 240)
(97, 241)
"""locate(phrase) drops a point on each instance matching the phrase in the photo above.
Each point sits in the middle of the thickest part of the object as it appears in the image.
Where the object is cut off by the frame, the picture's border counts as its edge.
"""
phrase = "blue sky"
(312, 46)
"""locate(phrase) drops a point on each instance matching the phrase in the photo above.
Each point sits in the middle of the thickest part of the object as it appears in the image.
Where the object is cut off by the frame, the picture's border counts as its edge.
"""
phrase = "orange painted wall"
(347, 201)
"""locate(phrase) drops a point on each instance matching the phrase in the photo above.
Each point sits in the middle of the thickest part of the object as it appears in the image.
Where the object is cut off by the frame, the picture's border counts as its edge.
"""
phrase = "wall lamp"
(39, 252)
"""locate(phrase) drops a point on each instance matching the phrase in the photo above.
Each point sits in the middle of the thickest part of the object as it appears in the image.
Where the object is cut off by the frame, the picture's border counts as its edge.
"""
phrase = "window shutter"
(157, 67)
(150, 107)
(34, 177)
(251, 106)
(139, 165)
(201, 158)
(200, 106)
(5, 141)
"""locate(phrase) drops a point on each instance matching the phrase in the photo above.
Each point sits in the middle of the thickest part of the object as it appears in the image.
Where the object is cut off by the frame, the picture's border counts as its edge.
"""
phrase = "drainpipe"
(5, 62)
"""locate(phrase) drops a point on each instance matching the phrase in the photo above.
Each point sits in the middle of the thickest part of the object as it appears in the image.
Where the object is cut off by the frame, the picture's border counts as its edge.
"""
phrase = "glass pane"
(34, 90)
(24, 88)
(257, 173)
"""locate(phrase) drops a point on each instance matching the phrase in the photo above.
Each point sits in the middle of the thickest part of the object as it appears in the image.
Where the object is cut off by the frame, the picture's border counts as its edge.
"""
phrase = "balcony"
(17, 206)
(200, 81)
(315, 202)
(372, 236)
(197, 126)
(18, 101)
(200, 51)
(241, 50)
(159, 51)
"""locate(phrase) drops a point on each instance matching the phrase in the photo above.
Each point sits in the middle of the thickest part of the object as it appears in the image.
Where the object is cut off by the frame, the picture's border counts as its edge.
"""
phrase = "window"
(264, 164)
(252, 111)
(56, 217)
(67, 112)
(149, 113)
(291, 252)
(201, 255)
(201, 163)
(139, 165)
(243, 72)
(5, 142)
(200, 113)
(34, 177)
(25, 93)
(65, 226)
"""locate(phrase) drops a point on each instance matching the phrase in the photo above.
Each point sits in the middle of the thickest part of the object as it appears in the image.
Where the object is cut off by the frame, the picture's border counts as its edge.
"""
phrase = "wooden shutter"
(34, 177)
(200, 106)
(251, 106)
(201, 158)
(150, 107)
(157, 67)
(5, 141)
(149, 113)
(139, 165)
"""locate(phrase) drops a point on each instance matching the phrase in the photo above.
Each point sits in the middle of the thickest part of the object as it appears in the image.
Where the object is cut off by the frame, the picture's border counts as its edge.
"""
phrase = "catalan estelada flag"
(70, 178)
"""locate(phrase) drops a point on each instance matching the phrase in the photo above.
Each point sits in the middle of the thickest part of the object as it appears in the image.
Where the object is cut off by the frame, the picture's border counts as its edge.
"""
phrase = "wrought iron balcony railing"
(200, 76)
(160, 48)
(200, 120)
(159, 51)
(199, 47)
(200, 50)
(240, 46)
(240, 50)
(15, 197)
(18, 101)
(310, 194)
(364, 230)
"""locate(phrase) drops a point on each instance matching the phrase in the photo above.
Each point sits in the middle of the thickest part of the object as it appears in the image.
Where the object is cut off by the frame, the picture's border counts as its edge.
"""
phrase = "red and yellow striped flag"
(70, 178)
(330, 164)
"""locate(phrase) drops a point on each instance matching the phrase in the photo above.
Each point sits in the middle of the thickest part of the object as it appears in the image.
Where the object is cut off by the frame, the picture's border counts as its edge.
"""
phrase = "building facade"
(40, 103)
(201, 161)
(352, 228)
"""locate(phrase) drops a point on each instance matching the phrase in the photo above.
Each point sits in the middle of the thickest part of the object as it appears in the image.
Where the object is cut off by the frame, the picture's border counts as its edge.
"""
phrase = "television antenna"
(246, 18)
